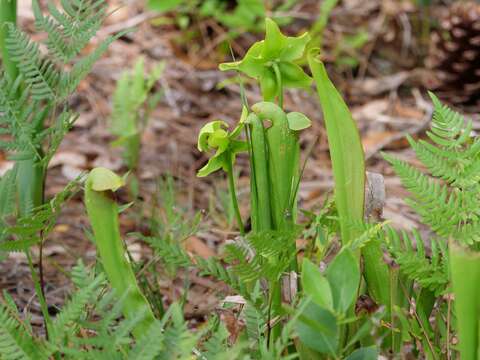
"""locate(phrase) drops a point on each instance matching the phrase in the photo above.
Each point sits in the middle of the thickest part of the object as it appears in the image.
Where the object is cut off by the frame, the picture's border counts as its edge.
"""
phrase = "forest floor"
(386, 94)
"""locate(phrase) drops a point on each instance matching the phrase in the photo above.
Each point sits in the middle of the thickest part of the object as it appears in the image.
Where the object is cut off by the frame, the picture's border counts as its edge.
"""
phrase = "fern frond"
(449, 129)
(74, 308)
(256, 315)
(15, 343)
(173, 254)
(70, 30)
(39, 72)
(70, 80)
(429, 271)
(449, 212)
(179, 341)
(150, 346)
(216, 345)
(215, 268)
(17, 116)
(25, 232)
(267, 255)
(458, 168)
(80, 275)
(131, 93)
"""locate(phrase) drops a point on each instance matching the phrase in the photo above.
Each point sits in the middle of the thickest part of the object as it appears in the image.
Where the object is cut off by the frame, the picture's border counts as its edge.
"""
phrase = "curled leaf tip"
(103, 179)
(298, 121)
(266, 107)
(229, 66)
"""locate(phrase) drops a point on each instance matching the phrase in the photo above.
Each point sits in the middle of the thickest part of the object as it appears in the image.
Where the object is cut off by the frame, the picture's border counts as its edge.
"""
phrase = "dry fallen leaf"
(198, 247)
(68, 158)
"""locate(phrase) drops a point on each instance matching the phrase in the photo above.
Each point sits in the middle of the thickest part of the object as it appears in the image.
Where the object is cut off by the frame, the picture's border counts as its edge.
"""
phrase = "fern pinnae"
(39, 73)
(16, 114)
(150, 345)
(74, 308)
(448, 127)
(430, 272)
(70, 31)
(15, 343)
(70, 80)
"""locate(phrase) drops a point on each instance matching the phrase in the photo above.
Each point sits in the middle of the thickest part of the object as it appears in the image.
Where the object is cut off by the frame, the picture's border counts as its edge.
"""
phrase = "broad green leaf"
(295, 47)
(316, 285)
(103, 179)
(465, 270)
(345, 150)
(343, 274)
(215, 163)
(298, 121)
(317, 329)
(251, 64)
(365, 353)
(348, 165)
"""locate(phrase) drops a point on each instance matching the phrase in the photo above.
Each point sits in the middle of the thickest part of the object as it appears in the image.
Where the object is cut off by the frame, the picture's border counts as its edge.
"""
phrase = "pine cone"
(454, 55)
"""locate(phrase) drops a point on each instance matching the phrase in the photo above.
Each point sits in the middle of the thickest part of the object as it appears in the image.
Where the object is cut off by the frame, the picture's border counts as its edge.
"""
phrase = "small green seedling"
(102, 211)
(132, 105)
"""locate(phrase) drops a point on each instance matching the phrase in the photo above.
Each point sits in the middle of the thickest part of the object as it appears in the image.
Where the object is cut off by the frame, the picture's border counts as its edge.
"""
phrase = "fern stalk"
(8, 14)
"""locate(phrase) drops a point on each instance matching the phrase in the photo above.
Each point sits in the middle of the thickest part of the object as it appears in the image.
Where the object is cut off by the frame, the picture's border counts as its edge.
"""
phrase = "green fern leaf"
(68, 32)
(39, 73)
(429, 271)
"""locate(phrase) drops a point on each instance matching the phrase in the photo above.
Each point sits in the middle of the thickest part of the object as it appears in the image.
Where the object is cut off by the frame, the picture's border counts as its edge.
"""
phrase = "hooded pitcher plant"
(272, 62)
(103, 211)
(214, 136)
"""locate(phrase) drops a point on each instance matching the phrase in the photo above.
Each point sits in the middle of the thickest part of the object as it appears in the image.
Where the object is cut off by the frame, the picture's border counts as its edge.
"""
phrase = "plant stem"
(8, 14)
(231, 188)
(278, 77)
(40, 294)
